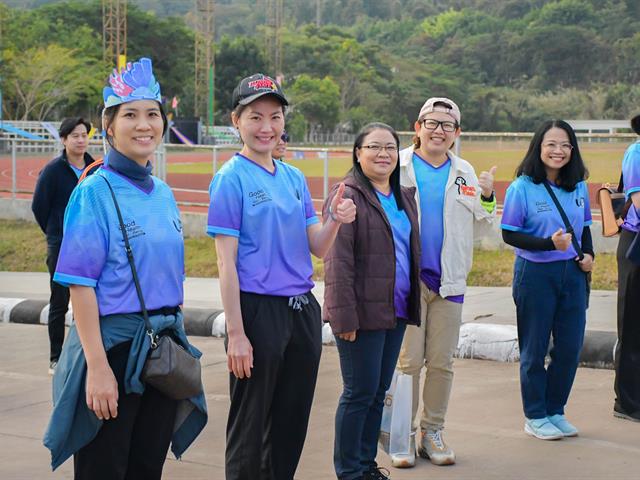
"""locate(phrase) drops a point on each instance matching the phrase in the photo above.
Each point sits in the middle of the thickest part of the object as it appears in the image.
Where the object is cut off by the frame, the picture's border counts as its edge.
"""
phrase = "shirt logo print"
(133, 230)
(542, 206)
(259, 196)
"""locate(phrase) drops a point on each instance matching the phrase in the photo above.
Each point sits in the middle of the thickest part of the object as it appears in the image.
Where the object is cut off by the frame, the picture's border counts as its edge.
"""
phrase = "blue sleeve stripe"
(213, 231)
(66, 280)
(588, 223)
(312, 220)
(632, 190)
(511, 228)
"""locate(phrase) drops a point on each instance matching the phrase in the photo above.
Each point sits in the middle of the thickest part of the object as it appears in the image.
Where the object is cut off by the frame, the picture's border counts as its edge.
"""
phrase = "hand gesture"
(485, 181)
(342, 210)
(102, 391)
(348, 336)
(561, 241)
(586, 264)
(239, 355)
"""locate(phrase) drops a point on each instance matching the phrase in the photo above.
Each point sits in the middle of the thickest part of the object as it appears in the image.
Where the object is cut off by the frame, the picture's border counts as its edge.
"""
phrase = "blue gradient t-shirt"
(401, 229)
(432, 185)
(93, 255)
(269, 214)
(631, 177)
(528, 208)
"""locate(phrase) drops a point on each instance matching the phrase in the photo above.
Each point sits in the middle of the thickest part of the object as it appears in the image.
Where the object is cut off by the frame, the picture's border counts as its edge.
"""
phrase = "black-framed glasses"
(285, 137)
(431, 124)
(378, 148)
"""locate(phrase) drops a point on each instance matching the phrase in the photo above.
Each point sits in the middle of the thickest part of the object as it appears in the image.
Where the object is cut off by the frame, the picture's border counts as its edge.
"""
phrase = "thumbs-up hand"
(342, 210)
(485, 181)
(560, 240)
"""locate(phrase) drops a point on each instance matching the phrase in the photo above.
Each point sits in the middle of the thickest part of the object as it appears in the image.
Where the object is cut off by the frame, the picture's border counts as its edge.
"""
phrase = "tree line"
(508, 63)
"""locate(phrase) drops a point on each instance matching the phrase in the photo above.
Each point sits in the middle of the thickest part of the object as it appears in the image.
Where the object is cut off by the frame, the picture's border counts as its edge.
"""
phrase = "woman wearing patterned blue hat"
(114, 425)
(265, 229)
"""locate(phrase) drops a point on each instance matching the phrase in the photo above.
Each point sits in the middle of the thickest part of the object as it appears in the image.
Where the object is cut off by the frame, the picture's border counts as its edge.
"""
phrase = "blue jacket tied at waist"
(73, 425)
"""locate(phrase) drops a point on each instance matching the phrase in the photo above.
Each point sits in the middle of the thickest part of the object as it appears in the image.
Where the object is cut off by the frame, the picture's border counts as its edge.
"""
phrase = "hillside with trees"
(509, 63)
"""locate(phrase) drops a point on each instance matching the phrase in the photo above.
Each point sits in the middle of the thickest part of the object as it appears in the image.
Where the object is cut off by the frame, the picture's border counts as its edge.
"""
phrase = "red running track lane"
(188, 187)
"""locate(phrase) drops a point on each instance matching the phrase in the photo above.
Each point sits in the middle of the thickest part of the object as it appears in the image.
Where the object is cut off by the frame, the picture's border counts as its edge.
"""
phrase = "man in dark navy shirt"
(55, 184)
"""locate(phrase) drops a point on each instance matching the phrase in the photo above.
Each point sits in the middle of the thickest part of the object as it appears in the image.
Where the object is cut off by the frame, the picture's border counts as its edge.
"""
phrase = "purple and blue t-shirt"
(529, 209)
(631, 177)
(93, 255)
(401, 229)
(432, 185)
(269, 213)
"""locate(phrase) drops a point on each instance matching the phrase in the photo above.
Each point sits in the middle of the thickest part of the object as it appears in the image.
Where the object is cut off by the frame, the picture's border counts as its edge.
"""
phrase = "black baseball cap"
(252, 88)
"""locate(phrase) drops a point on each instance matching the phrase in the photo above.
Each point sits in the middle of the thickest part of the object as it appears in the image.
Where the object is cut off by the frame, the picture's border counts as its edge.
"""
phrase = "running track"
(189, 189)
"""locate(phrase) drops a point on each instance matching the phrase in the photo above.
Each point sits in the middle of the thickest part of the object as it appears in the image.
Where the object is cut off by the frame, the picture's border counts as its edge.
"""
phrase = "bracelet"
(490, 198)
(332, 215)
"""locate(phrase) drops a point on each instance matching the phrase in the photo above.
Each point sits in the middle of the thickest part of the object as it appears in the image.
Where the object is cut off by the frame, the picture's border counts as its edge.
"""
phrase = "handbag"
(169, 368)
(613, 207)
(569, 229)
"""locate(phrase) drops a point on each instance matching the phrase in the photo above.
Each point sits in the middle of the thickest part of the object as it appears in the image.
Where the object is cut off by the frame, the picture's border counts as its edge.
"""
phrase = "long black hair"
(359, 175)
(570, 175)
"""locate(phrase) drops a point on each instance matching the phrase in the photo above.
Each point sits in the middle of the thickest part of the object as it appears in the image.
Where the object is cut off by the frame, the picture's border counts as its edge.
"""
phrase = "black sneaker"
(377, 473)
(619, 412)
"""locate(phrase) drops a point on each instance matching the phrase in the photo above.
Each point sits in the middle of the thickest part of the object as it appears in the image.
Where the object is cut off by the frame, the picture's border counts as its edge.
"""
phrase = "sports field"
(602, 159)
(190, 170)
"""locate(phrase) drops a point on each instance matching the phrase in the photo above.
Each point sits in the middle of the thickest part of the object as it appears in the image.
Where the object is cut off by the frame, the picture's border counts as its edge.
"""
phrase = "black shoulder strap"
(134, 272)
(620, 188)
(567, 225)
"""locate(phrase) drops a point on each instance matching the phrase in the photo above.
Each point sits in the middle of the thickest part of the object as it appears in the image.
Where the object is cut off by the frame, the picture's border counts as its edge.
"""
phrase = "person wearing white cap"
(450, 199)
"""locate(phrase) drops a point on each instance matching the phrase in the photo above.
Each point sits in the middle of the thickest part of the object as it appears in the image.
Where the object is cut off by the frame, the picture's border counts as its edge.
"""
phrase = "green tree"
(43, 78)
(318, 100)
(235, 58)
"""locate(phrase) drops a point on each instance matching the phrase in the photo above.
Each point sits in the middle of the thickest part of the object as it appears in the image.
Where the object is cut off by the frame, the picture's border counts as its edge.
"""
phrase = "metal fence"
(22, 159)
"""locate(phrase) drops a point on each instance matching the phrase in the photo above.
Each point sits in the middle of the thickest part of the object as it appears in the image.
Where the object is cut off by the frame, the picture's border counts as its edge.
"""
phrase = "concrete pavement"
(482, 304)
(484, 423)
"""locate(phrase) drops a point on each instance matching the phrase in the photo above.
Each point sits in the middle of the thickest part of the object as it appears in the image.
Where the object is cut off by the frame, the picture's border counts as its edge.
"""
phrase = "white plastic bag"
(395, 427)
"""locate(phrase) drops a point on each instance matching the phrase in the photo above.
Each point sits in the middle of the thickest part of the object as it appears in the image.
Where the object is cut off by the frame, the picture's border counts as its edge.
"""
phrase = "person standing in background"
(50, 198)
(280, 151)
(627, 353)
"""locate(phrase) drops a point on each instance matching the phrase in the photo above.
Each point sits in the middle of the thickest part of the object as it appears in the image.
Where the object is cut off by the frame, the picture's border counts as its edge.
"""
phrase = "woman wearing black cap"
(627, 353)
(265, 227)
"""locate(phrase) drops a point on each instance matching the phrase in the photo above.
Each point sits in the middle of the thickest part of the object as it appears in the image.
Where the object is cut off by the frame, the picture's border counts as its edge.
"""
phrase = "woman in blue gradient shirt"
(549, 280)
(115, 426)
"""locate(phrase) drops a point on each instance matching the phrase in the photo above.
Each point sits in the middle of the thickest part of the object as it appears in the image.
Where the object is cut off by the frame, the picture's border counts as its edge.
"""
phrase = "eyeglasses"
(378, 148)
(285, 137)
(431, 124)
(566, 147)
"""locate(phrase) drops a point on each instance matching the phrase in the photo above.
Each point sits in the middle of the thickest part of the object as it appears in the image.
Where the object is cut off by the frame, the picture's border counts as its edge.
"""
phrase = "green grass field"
(603, 160)
(23, 249)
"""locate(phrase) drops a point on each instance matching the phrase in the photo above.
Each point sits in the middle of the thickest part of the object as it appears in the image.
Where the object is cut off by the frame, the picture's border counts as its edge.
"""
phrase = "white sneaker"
(52, 367)
(406, 460)
(433, 447)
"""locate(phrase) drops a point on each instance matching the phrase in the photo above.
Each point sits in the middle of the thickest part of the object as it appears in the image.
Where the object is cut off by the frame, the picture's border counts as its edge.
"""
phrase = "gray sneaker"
(433, 447)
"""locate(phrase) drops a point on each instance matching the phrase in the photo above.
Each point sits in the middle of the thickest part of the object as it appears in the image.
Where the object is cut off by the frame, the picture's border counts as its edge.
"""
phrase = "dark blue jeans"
(550, 301)
(367, 366)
